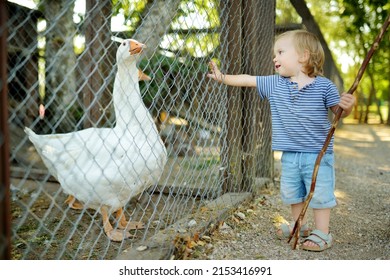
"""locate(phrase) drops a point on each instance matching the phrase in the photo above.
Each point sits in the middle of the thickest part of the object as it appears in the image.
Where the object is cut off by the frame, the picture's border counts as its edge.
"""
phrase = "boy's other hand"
(347, 101)
(214, 74)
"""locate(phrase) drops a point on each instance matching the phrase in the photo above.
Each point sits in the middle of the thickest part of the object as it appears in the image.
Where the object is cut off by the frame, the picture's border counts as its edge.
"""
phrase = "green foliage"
(285, 13)
(166, 71)
(189, 15)
(132, 11)
(365, 18)
(161, 69)
(207, 10)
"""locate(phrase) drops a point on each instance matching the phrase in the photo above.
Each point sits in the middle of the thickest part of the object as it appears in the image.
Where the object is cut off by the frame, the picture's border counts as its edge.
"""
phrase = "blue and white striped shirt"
(300, 120)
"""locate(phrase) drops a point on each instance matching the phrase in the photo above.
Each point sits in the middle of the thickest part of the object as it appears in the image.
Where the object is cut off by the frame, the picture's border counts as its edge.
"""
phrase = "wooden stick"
(297, 227)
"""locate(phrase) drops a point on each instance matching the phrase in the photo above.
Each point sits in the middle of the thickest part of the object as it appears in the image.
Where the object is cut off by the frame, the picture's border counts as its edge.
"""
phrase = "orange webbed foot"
(124, 224)
(117, 235)
(74, 203)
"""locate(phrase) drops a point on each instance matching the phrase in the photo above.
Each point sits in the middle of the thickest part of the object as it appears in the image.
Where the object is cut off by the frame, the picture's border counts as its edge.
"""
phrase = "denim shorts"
(297, 171)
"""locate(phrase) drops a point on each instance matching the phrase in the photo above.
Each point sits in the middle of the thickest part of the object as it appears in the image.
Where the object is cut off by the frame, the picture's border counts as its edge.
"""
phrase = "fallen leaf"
(142, 248)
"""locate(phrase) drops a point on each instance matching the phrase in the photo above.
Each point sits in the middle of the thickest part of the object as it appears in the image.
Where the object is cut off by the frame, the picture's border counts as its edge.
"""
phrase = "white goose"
(104, 168)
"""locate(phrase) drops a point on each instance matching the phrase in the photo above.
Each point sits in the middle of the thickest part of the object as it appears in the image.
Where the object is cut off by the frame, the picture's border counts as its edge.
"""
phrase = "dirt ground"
(360, 223)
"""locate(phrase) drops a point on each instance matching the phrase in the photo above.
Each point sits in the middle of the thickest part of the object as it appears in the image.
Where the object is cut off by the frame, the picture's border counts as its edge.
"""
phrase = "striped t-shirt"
(300, 120)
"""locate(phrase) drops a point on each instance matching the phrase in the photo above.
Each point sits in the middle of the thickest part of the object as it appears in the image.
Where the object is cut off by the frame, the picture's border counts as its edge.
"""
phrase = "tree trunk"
(160, 14)
(376, 100)
(231, 150)
(245, 38)
(369, 101)
(98, 60)
(60, 62)
(388, 99)
(330, 68)
(5, 196)
(257, 60)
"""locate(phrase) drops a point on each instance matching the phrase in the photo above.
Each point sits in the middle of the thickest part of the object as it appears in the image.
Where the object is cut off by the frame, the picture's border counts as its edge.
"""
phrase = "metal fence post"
(5, 217)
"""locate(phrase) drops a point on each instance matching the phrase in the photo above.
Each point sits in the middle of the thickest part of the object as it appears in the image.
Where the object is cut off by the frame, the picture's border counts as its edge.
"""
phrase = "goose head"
(128, 50)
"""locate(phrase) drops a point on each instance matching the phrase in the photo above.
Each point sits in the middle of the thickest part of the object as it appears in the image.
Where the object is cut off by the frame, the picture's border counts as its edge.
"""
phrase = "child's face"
(286, 58)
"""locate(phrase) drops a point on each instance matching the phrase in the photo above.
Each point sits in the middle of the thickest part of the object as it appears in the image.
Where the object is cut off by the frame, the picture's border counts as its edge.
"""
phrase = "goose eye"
(124, 43)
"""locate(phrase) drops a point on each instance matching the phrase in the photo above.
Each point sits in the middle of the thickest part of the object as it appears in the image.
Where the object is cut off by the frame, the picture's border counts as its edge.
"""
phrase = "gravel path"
(360, 224)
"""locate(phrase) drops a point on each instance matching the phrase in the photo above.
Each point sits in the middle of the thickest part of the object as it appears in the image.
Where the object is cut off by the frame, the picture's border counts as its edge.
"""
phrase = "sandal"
(285, 231)
(324, 241)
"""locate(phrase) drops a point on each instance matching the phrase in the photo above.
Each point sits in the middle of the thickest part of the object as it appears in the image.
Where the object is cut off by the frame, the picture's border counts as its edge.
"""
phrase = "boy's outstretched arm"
(346, 103)
(241, 80)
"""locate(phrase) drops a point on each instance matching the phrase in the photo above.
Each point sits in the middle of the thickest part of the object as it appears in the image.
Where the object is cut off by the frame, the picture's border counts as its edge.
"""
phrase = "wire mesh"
(216, 140)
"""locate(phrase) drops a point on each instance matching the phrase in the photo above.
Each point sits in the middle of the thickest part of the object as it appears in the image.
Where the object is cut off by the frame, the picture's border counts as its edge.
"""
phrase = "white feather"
(103, 166)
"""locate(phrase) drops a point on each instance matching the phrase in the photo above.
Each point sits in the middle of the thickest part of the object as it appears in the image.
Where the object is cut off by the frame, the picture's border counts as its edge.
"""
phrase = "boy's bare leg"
(321, 220)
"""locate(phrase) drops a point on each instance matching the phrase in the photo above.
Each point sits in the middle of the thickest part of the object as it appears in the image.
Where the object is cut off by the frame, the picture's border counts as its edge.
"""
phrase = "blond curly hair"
(305, 41)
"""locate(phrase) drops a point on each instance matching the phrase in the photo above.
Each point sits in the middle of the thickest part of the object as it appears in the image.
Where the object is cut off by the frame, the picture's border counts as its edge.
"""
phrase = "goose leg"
(113, 234)
(74, 203)
(124, 224)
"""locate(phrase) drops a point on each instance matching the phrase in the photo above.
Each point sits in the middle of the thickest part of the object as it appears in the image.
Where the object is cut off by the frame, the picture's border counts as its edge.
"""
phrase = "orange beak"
(136, 47)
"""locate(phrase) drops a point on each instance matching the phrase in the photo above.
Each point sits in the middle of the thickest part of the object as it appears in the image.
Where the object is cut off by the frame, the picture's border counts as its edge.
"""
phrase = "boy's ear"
(304, 56)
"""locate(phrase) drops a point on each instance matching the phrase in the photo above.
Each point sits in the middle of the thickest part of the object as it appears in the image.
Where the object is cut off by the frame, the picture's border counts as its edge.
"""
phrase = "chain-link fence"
(105, 151)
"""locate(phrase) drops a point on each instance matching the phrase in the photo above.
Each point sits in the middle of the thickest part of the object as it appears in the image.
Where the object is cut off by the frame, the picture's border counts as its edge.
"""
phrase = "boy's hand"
(240, 80)
(214, 74)
(347, 101)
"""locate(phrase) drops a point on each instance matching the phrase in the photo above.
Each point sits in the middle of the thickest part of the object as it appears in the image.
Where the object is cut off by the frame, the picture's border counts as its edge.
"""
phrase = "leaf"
(196, 236)
(279, 220)
(142, 248)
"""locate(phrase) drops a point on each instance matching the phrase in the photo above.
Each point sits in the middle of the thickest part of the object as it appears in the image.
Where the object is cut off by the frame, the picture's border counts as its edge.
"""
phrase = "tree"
(97, 60)
(330, 69)
(60, 86)
(156, 23)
